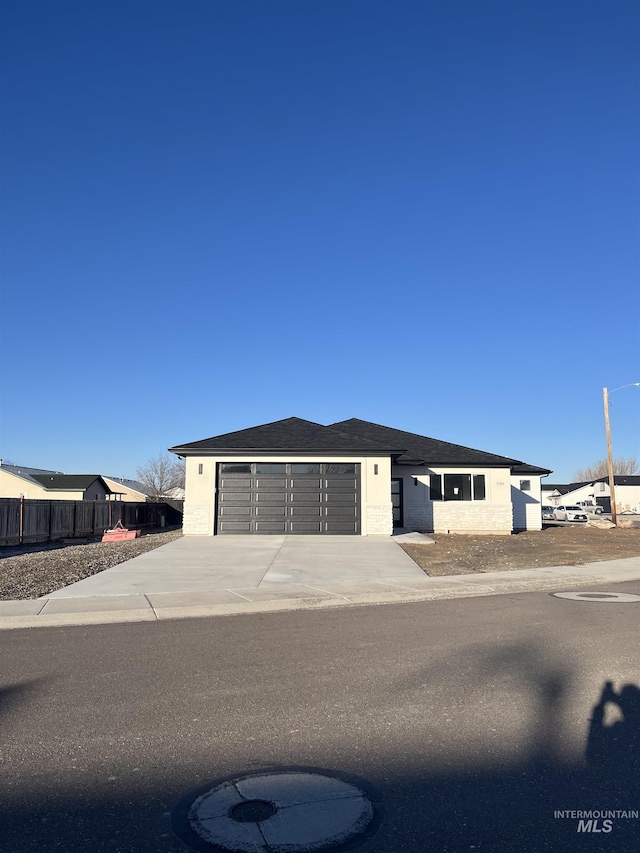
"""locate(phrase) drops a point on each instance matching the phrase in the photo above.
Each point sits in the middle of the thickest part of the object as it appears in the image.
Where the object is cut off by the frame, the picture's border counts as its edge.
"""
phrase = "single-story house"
(353, 477)
(133, 490)
(128, 490)
(627, 488)
(39, 484)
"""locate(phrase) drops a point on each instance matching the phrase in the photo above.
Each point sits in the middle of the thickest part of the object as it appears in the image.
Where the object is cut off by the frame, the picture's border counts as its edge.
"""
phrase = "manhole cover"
(277, 812)
(611, 597)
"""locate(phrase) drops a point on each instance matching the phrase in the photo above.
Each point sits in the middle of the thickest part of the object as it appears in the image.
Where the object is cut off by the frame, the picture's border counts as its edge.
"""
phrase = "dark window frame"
(473, 490)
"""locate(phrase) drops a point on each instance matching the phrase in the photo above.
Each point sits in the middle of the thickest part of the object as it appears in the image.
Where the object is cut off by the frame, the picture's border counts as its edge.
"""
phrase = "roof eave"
(277, 451)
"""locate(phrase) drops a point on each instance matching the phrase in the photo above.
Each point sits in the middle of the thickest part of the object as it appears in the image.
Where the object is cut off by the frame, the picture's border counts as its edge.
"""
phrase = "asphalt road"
(470, 718)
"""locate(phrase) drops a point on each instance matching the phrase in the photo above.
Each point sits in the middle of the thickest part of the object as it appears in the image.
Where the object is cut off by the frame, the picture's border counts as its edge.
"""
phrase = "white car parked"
(570, 513)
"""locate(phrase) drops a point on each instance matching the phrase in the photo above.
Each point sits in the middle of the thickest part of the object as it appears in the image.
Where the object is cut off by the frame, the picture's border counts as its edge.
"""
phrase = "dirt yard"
(555, 546)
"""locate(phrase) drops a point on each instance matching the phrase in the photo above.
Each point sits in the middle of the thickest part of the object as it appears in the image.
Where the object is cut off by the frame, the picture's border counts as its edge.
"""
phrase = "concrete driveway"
(209, 563)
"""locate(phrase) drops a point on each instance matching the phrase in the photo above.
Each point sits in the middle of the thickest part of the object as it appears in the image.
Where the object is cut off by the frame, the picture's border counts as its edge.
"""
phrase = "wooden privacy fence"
(23, 520)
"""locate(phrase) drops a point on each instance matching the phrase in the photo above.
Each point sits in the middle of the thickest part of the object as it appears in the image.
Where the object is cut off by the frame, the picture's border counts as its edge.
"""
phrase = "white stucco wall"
(527, 514)
(200, 490)
(627, 498)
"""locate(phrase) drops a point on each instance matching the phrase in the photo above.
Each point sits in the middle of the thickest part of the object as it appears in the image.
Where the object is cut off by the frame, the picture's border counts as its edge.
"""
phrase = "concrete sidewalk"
(152, 606)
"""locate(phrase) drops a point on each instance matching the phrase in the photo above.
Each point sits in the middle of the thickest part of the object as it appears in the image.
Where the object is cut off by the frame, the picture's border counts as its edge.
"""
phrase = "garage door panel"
(237, 483)
(340, 499)
(308, 527)
(275, 498)
(240, 511)
(310, 485)
(273, 484)
(340, 485)
(234, 527)
(235, 498)
(266, 511)
(338, 527)
(270, 527)
(341, 512)
(305, 498)
(306, 511)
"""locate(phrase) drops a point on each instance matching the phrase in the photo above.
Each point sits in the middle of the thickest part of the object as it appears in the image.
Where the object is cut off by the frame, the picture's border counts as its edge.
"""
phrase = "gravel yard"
(555, 546)
(30, 571)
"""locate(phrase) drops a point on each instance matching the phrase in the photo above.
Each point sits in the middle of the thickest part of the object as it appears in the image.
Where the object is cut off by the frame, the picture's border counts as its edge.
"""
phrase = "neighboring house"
(128, 490)
(352, 477)
(176, 494)
(39, 484)
(596, 491)
(133, 490)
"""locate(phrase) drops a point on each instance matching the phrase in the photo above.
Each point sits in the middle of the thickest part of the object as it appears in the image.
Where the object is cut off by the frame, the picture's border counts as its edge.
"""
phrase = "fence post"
(21, 519)
(93, 520)
(50, 521)
(75, 517)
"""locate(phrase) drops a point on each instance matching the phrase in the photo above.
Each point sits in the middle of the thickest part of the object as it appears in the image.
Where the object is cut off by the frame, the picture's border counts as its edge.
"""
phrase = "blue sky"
(220, 214)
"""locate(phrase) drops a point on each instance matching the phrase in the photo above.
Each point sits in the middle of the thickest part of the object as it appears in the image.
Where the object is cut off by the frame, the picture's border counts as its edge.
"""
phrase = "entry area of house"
(300, 498)
(396, 501)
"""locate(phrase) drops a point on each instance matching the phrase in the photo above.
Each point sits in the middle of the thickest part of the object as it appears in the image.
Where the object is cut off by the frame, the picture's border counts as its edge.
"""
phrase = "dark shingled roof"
(69, 482)
(421, 450)
(621, 480)
(291, 435)
(563, 488)
(294, 435)
(530, 469)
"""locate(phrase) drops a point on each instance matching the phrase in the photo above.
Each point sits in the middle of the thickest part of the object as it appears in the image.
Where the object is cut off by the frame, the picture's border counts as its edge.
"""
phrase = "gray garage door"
(292, 497)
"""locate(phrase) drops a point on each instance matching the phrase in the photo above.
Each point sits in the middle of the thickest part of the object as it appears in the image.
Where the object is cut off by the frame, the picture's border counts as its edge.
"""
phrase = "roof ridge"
(440, 440)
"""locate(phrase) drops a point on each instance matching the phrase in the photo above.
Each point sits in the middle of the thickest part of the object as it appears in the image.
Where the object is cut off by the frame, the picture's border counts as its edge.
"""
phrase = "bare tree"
(160, 475)
(623, 466)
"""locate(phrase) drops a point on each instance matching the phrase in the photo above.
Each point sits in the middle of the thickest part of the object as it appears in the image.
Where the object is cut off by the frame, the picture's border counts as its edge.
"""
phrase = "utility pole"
(612, 486)
(612, 489)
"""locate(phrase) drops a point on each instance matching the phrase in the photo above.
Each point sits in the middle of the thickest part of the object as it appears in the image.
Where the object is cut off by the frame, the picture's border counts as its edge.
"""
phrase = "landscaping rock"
(601, 523)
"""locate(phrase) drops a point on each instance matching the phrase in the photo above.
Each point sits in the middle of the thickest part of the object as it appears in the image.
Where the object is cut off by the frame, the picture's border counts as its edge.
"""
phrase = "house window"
(525, 485)
(458, 487)
(236, 468)
(479, 492)
(602, 487)
(435, 489)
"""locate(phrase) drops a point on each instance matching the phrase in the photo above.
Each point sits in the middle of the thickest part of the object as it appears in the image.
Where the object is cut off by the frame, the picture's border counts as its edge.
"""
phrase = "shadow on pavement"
(502, 810)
